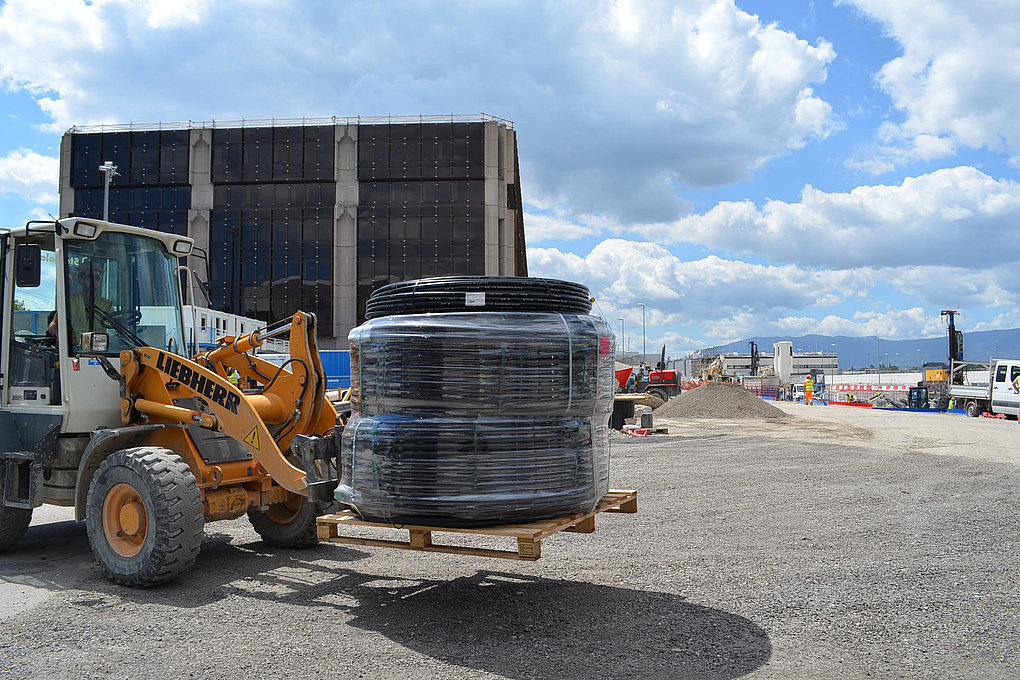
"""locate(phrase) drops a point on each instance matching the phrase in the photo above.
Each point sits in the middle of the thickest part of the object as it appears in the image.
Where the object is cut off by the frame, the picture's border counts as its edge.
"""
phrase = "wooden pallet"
(529, 536)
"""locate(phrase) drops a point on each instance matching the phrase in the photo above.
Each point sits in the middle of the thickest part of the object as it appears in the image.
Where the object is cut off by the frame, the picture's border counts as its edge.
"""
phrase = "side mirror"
(94, 343)
(27, 265)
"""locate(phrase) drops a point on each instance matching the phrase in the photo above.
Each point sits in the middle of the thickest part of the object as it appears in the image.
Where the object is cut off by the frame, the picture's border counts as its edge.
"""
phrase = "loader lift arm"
(264, 412)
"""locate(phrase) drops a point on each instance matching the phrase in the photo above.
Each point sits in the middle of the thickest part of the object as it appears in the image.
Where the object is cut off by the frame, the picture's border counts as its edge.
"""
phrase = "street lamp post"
(623, 333)
(644, 352)
(109, 171)
(835, 361)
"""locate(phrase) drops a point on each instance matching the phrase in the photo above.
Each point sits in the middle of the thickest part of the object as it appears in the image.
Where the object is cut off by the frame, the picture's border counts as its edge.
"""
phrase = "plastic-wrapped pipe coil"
(479, 293)
(477, 418)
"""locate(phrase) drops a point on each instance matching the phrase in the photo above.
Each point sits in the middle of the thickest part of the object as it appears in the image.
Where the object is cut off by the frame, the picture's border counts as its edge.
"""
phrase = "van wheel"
(144, 516)
(972, 409)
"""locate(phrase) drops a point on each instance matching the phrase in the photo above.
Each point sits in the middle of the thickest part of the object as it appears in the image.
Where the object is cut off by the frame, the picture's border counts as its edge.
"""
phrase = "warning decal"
(252, 439)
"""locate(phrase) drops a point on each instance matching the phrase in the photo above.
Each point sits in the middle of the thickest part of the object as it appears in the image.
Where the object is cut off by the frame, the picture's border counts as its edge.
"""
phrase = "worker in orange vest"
(809, 389)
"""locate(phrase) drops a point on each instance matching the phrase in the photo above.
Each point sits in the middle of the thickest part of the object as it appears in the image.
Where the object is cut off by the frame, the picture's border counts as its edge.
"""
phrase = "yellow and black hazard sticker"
(252, 439)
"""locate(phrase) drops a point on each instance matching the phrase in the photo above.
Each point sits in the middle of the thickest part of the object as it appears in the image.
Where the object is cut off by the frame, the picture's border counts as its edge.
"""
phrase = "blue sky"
(740, 167)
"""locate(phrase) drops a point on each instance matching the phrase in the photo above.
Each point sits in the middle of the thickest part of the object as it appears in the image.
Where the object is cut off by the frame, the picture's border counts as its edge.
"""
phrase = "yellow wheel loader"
(101, 409)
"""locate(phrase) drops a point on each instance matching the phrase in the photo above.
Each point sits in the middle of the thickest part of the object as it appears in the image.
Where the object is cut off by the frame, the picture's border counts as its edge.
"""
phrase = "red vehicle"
(662, 382)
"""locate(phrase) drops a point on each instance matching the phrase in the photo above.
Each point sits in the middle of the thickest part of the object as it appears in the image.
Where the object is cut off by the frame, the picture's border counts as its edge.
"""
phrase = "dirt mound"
(719, 400)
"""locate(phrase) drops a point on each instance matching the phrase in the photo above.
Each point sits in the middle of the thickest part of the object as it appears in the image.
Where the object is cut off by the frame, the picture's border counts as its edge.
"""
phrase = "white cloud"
(958, 287)
(958, 79)
(673, 92)
(896, 324)
(950, 217)
(173, 13)
(30, 175)
(711, 290)
(540, 228)
(1005, 321)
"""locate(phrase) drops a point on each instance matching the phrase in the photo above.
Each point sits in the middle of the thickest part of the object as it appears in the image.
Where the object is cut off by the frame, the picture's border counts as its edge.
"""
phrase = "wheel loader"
(102, 410)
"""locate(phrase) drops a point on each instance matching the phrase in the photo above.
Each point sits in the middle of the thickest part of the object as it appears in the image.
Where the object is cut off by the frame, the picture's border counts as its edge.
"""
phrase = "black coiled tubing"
(473, 418)
(463, 294)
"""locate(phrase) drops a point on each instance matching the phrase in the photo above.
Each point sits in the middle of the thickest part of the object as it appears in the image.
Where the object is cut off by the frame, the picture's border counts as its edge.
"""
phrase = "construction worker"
(1016, 388)
(234, 377)
(809, 389)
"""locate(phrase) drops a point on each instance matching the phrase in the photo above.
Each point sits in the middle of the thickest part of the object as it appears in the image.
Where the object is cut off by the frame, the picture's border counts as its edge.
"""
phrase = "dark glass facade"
(271, 226)
(421, 205)
(286, 228)
(152, 190)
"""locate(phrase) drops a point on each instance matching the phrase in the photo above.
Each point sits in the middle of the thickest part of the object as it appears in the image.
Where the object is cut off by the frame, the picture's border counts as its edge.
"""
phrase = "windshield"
(126, 286)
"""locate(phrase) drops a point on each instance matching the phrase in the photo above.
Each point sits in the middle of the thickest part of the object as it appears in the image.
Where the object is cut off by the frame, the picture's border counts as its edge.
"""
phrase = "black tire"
(972, 409)
(13, 522)
(290, 524)
(660, 393)
(169, 503)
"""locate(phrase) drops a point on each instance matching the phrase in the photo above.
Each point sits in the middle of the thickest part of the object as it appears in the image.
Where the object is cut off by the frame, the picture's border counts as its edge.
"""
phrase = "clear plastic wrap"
(473, 419)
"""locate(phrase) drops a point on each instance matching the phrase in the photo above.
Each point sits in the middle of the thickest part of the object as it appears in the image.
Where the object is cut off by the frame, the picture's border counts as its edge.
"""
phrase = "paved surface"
(832, 547)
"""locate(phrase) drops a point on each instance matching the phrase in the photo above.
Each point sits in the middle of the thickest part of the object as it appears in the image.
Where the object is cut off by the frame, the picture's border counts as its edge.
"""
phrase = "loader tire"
(290, 524)
(144, 516)
(13, 524)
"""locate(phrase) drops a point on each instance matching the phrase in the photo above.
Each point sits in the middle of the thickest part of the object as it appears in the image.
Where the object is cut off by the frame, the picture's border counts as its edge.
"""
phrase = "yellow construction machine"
(151, 448)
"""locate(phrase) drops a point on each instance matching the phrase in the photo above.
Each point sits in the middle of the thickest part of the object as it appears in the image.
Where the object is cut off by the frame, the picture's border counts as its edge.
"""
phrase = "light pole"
(109, 170)
(835, 361)
(643, 352)
(920, 362)
(623, 333)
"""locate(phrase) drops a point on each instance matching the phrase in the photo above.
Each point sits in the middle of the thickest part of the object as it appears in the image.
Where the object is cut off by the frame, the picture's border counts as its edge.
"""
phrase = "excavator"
(102, 410)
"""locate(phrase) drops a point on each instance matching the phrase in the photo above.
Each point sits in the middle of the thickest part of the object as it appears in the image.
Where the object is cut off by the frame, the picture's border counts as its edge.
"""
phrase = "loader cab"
(72, 279)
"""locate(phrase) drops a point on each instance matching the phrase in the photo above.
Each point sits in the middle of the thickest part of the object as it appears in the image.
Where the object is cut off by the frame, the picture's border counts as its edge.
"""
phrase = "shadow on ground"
(528, 627)
(503, 623)
(52, 556)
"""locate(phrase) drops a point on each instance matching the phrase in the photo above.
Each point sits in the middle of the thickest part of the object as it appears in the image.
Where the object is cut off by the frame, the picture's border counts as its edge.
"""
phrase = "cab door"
(31, 387)
(1004, 397)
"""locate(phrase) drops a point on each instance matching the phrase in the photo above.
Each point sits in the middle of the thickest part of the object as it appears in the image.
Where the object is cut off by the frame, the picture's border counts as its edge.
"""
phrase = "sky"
(738, 167)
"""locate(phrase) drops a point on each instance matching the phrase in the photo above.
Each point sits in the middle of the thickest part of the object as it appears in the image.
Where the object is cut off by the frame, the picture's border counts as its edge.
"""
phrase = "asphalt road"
(768, 554)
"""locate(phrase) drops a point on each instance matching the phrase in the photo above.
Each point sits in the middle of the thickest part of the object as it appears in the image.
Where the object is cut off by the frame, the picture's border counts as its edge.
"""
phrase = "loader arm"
(275, 405)
(299, 386)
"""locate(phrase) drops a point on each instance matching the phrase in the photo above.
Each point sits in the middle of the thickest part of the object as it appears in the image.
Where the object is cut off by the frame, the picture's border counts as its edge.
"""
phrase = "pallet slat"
(529, 536)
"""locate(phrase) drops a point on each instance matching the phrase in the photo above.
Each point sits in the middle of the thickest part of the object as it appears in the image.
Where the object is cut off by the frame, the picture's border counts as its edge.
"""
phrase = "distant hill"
(856, 352)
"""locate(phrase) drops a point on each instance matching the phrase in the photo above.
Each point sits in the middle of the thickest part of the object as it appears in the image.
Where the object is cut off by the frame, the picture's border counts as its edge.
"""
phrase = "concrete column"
(492, 201)
(345, 234)
(66, 191)
(200, 178)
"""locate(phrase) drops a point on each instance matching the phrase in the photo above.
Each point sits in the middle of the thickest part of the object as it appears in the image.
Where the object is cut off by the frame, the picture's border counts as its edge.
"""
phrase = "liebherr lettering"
(197, 382)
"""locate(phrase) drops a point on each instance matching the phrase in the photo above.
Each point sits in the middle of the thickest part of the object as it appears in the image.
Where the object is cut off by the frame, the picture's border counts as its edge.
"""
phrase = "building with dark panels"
(311, 214)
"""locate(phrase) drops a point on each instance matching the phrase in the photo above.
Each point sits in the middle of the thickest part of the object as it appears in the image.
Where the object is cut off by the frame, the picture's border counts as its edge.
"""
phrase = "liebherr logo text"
(198, 382)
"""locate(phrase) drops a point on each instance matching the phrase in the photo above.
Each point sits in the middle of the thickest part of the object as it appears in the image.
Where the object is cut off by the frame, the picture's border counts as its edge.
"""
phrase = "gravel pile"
(719, 400)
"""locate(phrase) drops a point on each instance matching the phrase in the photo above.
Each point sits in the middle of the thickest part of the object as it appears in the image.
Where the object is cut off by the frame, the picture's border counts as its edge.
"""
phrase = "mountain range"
(861, 352)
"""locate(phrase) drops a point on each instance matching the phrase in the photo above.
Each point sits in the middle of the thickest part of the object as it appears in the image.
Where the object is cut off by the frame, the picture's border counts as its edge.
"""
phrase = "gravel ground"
(838, 543)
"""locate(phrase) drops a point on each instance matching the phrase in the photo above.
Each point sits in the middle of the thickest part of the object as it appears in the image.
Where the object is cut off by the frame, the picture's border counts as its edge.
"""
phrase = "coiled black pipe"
(478, 293)
(471, 418)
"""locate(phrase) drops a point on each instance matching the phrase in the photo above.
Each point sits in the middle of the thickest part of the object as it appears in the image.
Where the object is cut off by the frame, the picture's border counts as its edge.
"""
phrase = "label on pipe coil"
(474, 299)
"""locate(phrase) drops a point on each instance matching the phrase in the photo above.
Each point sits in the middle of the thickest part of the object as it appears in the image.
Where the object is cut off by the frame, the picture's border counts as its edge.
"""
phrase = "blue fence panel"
(337, 364)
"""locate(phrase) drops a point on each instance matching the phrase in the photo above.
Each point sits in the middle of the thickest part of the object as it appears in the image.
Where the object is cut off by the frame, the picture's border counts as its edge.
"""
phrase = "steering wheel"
(126, 317)
(30, 338)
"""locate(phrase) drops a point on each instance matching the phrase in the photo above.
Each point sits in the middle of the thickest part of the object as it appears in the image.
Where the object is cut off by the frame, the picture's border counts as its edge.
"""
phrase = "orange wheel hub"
(125, 522)
(287, 511)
